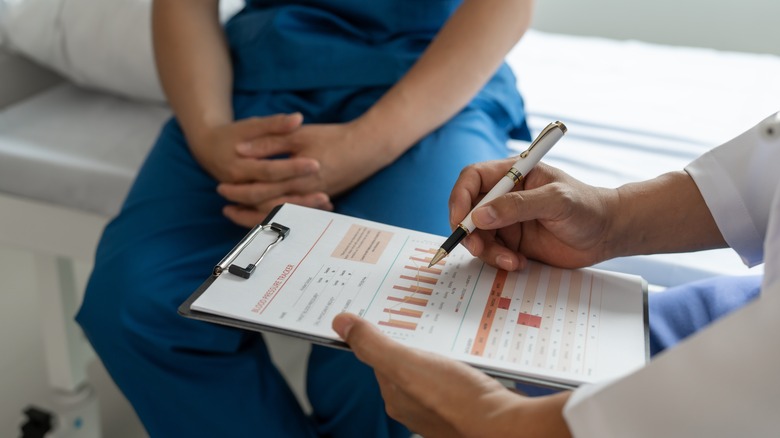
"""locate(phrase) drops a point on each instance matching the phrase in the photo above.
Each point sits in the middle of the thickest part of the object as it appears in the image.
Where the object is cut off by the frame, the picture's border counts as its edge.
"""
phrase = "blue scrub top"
(319, 44)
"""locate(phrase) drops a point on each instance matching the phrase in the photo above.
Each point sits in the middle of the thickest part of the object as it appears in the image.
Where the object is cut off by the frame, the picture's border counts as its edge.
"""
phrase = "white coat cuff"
(724, 200)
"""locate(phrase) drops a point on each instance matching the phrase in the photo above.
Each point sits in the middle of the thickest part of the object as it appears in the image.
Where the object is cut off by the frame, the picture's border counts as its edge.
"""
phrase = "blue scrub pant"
(190, 378)
(681, 311)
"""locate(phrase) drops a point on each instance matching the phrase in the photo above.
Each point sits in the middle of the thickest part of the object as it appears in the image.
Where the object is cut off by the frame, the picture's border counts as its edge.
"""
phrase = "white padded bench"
(75, 148)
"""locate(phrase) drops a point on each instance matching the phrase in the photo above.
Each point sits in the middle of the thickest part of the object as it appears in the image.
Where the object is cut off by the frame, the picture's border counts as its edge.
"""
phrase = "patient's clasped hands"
(217, 150)
(319, 161)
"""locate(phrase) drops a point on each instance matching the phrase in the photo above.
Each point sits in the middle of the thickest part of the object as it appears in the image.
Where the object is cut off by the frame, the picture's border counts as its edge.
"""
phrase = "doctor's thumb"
(367, 342)
(342, 324)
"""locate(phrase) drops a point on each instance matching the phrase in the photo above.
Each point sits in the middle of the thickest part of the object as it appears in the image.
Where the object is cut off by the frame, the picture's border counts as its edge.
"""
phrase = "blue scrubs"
(329, 60)
(683, 310)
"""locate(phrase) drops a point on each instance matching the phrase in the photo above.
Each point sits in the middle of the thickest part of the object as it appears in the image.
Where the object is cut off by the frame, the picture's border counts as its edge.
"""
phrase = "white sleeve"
(722, 382)
(738, 181)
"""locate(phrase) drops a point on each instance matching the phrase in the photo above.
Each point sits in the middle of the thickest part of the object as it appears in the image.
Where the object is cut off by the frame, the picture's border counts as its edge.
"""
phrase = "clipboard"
(226, 266)
(253, 269)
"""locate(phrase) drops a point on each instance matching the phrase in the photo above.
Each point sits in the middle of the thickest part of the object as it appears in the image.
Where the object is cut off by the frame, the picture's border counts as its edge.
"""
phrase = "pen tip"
(437, 257)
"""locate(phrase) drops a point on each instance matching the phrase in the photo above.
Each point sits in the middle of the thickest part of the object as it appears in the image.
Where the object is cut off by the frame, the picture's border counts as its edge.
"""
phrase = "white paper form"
(544, 323)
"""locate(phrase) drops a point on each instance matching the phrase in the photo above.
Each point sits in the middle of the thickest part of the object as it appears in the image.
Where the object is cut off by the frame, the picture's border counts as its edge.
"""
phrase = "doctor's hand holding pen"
(561, 221)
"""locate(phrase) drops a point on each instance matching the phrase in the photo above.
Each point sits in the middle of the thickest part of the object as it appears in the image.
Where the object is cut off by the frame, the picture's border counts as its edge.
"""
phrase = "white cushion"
(101, 44)
(30, 27)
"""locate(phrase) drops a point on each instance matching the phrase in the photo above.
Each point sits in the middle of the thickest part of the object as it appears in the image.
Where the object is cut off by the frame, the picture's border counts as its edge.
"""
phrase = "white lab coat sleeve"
(721, 382)
(738, 181)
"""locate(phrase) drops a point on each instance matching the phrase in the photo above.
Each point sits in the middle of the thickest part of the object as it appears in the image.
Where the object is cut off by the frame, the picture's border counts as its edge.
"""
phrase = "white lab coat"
(725, 380)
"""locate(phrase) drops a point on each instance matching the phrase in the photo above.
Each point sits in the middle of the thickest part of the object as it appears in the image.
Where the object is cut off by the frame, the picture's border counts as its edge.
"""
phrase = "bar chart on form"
(538, 318)
(420, 303)
(416, 289)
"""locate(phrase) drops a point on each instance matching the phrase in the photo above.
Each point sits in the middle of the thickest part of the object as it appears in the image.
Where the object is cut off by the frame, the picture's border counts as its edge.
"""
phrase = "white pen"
(525, 162)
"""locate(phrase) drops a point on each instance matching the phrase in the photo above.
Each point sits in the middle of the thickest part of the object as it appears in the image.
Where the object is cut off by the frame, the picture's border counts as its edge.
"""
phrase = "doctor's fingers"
(370, 345)
(412, 412)
(498, 248)
(473, 182)
(424, 376)
(415, 382)
(554, 201)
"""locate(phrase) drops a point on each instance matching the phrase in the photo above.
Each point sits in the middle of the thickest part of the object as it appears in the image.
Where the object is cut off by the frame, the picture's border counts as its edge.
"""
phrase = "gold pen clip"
(547, 129)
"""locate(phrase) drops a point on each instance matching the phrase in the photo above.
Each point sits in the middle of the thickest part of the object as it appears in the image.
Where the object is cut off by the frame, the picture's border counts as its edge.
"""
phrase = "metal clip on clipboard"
(227, 262)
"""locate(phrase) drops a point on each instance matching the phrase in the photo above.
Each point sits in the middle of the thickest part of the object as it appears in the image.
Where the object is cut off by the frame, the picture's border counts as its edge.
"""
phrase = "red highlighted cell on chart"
(529, 320)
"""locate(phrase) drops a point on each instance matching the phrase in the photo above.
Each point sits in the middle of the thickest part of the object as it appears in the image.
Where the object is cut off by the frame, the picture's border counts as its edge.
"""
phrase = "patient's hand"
(345, 156)
(218, 152)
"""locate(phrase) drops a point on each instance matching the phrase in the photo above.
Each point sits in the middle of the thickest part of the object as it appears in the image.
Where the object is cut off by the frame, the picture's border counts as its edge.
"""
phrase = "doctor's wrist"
(533, 417)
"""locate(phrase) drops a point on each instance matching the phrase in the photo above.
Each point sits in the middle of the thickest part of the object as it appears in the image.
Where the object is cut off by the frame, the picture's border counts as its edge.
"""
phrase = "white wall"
(740, 25)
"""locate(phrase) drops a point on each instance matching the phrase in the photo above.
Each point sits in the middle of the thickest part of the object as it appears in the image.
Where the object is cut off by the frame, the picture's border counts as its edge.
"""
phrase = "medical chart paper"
(545, 325)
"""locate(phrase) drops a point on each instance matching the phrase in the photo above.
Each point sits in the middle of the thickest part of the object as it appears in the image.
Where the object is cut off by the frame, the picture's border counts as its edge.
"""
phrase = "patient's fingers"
(265, 179)
(279, 124)
(257, 193)
(273, 142)
(249, 216)
(250, 169)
